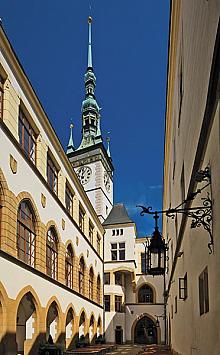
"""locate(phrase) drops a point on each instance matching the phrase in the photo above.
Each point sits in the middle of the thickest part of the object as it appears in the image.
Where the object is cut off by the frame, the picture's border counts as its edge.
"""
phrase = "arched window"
(98, 290)
(69, 266)
(145, 294)
(52, 253)
(81, 276)
(91, 283)
(26, 237)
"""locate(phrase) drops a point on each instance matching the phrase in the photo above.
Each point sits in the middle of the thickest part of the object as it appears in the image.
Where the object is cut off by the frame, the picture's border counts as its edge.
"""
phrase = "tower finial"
(70, 147)
(90, 43)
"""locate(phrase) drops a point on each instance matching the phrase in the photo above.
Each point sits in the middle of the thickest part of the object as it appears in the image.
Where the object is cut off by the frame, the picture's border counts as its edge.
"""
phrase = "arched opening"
(26, 321)
(91, 328)
(99, 327)
(52, 321)
(91, 283)
(81, 276)
(98, 290)
(69, 266)
(70, 324)
(82, 325)
(52, 253)
(145, 294)
(145, 331)
(26, 235)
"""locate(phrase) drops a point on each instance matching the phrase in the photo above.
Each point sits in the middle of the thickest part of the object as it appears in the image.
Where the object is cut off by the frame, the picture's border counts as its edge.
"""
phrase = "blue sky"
(130, 43)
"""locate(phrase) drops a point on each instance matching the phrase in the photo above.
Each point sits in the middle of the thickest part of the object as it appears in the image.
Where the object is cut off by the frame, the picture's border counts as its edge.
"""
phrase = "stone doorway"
(145, 331)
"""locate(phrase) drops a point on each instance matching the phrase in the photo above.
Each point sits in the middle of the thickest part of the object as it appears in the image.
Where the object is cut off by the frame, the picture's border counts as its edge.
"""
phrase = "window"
(91, 231)
(98, 244)
(203, 292)
(98, 290)
(121, 231)
(118, 278)
(183, 288)
(52, 174)
(107, 303)
(117, 231)
(113, 232)
(52, 253)
(118, 251)
(69, 200)
(1, 96)
(81, 218)
(118, 303)
(145, 294)
(27, 137)
(81, 276)
(114, 251)
(107, 278)
(175, 304)
(144, 263)
(26, 237)
(69, 266)
(121, 251)
(171, 311)
(91, 283)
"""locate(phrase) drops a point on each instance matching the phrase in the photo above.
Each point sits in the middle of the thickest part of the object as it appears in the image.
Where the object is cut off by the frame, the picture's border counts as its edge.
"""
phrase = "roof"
(118, 215)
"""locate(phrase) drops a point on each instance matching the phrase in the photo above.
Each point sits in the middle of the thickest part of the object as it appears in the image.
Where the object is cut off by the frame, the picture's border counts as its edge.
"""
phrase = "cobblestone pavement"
(143, 350)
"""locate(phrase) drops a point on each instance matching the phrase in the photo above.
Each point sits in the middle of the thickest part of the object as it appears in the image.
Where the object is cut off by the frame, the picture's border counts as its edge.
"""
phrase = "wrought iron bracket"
(201, 215)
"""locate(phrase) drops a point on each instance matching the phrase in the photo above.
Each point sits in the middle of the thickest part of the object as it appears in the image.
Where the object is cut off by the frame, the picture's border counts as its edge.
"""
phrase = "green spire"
(70, 147)
(91, 132)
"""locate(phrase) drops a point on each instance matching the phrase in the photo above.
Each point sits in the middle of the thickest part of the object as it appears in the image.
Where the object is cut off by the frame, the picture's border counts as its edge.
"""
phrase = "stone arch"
(8, 217)
(27, 313)
(99, 327)
(151, 320)
(149, 285)
(70, 325)
(24, 195)
(3, 315)
(70, 242)
(53, 318)
(52, 224)
(83, 323)
(92, 327)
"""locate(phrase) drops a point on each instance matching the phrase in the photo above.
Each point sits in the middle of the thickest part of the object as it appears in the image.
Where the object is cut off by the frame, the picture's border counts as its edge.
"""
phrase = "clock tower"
(91, 160)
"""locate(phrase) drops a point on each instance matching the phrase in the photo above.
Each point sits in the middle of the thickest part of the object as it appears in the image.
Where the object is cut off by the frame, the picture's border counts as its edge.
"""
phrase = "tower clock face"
(107, 182)
(84, 174)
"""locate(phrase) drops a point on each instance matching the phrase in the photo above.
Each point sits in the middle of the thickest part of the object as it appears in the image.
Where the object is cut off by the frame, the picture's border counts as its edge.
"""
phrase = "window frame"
(106, 278)
(107, 301)
(91, 232)
(69, 266)
(52, 253)
(69, 199)
(203, 292)
(118, 304)
(52, 174)
(81, 276)
(91, 284)
(25, 130)
(81, 218)
(183, 290)
(28, 236)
